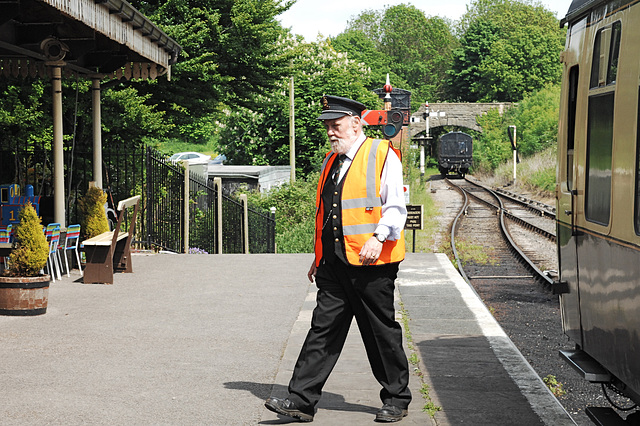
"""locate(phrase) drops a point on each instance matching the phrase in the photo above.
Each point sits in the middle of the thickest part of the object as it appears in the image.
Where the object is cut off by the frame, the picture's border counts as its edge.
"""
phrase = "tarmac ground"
(206, 339)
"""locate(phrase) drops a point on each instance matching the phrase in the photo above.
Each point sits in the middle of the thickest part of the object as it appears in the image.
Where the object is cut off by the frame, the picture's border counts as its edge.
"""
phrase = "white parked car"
(191, 157)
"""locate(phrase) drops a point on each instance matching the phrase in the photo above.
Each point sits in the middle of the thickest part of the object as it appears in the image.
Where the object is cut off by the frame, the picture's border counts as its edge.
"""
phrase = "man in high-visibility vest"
(359, 243)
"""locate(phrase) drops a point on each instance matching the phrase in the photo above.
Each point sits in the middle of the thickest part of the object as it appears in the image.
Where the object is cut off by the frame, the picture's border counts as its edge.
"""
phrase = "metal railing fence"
(203, 216)
(164, 208)
(133, 169)
(262, 231)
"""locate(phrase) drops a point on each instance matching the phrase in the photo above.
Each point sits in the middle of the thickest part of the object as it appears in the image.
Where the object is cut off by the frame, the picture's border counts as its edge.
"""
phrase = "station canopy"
(95, 38)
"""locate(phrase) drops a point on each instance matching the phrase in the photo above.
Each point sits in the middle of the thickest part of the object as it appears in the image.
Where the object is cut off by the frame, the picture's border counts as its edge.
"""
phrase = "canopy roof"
(93, 37)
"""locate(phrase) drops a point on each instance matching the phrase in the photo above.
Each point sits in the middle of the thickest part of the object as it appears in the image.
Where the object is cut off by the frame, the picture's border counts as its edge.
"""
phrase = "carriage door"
(566, 212)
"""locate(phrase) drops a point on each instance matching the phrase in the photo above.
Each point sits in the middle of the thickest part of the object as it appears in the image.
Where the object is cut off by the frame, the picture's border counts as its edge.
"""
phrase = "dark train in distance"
(598, 198)
(455, 151)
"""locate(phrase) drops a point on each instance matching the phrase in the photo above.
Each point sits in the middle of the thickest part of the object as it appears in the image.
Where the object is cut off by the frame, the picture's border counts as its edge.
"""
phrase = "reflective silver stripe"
(365, 228)
(356, 203)
(371, 170)
(372, 199)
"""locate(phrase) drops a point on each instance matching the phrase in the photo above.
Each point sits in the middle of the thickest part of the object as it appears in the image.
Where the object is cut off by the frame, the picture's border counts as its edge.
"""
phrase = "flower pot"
(24, 295)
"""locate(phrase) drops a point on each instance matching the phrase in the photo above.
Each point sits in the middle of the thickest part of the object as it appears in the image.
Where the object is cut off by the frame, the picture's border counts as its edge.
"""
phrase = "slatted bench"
(110, 251)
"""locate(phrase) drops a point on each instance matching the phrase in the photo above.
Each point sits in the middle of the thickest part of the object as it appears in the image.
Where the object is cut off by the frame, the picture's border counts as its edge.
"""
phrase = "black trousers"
(346, 291)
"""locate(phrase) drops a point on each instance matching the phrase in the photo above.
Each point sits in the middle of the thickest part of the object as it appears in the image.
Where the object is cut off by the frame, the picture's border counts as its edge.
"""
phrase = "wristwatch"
(380, 238)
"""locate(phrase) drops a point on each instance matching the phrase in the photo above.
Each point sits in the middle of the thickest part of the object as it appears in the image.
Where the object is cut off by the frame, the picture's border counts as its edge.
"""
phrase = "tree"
(363, 49)
(261, 136)
(508, 48)
(231, 58)
(129, 117)
(416, 48)
(421, 48)
(23, 121)
(536, 121)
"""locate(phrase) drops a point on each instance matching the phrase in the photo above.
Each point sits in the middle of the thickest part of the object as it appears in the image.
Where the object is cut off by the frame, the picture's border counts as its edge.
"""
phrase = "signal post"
(395, 114)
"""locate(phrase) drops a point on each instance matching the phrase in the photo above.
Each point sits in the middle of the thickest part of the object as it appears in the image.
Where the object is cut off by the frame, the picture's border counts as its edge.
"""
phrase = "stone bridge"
(455, 114)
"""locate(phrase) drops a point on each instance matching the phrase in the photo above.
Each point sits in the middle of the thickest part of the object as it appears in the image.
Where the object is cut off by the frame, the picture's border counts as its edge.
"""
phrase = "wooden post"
(186, 206)
(245, 222)
(292, 133)
(218, 183)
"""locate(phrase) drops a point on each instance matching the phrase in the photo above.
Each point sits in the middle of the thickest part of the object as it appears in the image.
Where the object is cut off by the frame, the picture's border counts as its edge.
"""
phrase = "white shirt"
(394, 210)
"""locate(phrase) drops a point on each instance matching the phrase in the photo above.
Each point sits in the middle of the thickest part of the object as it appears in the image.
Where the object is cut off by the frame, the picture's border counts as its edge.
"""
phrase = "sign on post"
(414, 221)
(414, 217)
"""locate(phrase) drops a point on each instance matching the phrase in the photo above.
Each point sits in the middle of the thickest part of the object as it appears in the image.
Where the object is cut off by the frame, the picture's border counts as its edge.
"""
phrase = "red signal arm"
(374, 117)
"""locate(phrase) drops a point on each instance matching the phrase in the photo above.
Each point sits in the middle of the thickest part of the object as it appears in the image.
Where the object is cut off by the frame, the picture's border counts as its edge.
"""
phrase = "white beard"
(339, 146)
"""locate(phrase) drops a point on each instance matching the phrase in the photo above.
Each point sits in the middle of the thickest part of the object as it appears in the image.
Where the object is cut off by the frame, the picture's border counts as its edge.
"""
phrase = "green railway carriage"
(598, 193)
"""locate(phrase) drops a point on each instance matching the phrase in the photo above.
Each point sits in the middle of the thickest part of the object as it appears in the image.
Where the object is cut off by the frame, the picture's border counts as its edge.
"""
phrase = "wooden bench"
(110, 251)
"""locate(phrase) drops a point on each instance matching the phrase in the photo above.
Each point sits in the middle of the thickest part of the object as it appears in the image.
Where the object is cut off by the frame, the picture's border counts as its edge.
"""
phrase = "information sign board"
(414, 217)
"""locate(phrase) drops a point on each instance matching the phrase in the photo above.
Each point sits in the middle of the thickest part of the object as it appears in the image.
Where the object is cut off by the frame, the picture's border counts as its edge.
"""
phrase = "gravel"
(530, 315)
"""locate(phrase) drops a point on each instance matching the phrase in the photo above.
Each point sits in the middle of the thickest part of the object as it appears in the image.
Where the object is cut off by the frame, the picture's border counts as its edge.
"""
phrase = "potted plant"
(24, 289)
(93, 216)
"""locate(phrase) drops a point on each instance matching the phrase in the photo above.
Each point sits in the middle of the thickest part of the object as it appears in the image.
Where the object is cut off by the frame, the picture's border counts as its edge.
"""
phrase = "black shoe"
(390, 413)
(287, 408)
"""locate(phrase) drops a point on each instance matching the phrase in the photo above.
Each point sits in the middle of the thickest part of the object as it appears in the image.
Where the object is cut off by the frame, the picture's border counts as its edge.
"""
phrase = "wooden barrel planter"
(24, 295)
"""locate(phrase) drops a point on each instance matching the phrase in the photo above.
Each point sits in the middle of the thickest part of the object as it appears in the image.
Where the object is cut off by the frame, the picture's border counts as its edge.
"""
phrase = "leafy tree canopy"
(231, 58)
(261, 136)
(508, 48)
(536, 121)
(416, 48)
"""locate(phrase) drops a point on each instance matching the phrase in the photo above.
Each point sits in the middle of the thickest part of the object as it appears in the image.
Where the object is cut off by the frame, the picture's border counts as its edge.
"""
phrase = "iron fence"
(262, 232)
(137, 170)
(232, 229)
(203, 216)
(123, 177)
(166, 216)
(164, 210)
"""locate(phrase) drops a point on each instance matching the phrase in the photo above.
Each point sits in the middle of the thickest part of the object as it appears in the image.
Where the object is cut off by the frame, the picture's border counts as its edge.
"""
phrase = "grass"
(420, 195)
(414, 359)
(535, 174)
(479, 255)
(554, 386)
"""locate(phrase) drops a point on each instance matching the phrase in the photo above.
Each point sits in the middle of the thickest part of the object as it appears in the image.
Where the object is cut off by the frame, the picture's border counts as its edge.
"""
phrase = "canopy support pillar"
(58, 146)
(97, 132)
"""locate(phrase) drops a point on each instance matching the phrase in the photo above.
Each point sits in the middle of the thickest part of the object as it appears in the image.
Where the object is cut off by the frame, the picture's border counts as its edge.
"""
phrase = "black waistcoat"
(332, 238)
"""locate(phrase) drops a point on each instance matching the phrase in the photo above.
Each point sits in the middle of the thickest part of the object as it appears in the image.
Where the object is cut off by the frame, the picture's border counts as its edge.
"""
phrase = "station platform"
(206, 339)
(473, 373)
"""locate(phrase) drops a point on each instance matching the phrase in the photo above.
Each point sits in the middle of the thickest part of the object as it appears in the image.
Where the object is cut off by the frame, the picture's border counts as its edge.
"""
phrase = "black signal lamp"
(395, 120)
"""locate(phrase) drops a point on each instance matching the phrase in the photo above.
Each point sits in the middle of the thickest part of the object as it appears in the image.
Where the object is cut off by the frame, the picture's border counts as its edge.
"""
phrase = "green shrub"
(93, 216)
(536, 121)
(30, 253)
(295, 213)
(535, 173)
(297, 239)
(545, 179)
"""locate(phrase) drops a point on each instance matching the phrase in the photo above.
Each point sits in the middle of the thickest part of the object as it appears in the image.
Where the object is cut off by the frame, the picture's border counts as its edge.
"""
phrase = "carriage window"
(599, 150)
(606, 50)
(612, 72)
(595, 64)
(571, 121)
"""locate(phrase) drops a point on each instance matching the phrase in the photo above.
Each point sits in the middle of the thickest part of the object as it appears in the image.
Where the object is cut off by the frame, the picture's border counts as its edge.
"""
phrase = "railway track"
(527, 236)
(522, 302)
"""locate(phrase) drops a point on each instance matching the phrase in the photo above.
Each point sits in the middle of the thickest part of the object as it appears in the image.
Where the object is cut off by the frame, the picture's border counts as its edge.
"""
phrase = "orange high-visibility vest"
(360, 203)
